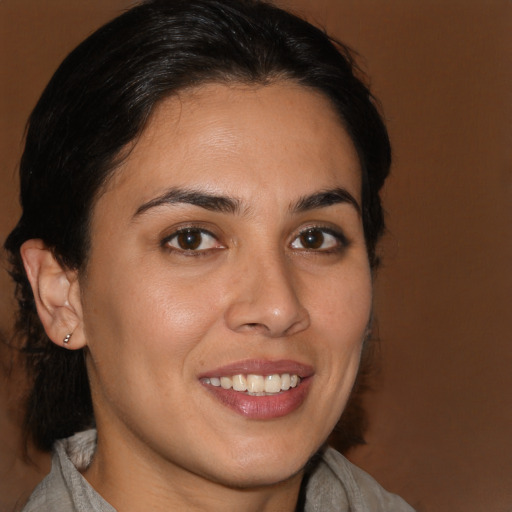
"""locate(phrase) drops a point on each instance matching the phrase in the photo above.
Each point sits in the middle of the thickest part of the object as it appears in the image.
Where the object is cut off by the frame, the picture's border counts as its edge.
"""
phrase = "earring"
(67, 338)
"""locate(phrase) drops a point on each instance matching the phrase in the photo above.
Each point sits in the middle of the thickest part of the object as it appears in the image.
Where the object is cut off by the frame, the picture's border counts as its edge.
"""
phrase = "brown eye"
(312, 239)
(189, 240)
(318, 239)
(192, 239)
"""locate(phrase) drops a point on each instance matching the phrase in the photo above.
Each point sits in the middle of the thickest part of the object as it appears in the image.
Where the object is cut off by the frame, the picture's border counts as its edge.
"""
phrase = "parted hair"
(99, 101)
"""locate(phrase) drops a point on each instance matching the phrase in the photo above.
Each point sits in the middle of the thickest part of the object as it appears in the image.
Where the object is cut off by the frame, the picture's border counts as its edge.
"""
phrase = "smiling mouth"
(255, 385)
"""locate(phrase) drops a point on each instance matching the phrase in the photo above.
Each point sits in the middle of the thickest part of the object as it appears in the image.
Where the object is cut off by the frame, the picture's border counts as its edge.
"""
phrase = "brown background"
(441, 413)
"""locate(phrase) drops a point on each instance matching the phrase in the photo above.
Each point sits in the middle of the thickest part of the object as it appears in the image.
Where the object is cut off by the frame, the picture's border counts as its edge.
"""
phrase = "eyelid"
(337, 233)
(184, 229)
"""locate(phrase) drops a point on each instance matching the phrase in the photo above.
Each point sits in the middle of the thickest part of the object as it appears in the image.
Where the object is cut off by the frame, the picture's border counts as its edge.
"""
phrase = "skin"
(155, 317)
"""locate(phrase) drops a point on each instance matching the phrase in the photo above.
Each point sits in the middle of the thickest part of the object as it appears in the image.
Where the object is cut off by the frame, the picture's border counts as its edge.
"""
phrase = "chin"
(244, 478)
(262, 468)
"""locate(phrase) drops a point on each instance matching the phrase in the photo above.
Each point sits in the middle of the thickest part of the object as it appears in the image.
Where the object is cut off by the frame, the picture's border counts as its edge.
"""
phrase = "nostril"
(254, 327)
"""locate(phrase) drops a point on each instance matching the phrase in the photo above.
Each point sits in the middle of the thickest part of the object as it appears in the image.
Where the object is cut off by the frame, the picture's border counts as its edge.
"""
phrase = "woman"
(194, 263)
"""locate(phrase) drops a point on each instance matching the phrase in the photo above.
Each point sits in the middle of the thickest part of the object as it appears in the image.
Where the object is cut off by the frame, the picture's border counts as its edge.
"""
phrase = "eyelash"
(340, 238)
(166, 242)
(338, 235)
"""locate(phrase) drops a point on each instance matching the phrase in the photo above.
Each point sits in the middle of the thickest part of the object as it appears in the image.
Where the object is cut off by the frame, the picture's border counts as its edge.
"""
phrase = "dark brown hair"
(99, 100)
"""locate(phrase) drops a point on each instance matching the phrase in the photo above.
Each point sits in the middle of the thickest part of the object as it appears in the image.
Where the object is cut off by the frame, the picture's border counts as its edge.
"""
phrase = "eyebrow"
(325, 198)
(197, 198)
(232, 205)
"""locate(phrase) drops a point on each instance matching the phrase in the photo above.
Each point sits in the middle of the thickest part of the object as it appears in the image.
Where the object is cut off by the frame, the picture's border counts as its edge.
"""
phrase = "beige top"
(335, 484)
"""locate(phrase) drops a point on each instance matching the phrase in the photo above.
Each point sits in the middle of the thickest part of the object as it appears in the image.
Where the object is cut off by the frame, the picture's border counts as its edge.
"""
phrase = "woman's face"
(228, 249)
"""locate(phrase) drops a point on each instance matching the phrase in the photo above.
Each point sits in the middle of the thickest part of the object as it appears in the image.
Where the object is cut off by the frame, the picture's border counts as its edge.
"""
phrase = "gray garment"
(335, 485)
(64, 489)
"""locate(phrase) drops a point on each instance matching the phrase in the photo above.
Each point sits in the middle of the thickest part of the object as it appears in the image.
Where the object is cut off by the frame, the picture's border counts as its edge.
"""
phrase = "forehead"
(241, 140)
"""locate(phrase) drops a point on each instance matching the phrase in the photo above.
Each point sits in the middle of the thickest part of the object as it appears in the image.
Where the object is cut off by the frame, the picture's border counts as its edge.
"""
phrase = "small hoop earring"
(67, 338)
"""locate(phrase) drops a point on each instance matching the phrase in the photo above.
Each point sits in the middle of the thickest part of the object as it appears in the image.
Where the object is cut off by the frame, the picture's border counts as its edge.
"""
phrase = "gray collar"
(334, 484)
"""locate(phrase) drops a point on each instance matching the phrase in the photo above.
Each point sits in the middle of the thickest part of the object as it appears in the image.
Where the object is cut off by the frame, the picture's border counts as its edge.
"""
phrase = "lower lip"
(262, 407)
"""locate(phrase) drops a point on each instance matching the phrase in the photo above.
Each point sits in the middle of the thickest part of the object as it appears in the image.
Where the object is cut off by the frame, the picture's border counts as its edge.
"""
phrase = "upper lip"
(261, 367)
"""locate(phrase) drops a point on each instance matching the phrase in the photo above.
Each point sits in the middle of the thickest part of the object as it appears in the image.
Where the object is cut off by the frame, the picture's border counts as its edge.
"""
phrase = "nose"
(266, 301)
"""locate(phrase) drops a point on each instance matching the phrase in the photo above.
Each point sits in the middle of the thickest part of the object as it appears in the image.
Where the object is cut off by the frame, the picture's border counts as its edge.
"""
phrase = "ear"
(57, 295)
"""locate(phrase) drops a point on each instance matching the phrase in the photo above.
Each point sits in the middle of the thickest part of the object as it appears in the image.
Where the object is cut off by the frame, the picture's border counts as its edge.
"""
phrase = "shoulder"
(337, 484)
(52, 493)
(64, 489)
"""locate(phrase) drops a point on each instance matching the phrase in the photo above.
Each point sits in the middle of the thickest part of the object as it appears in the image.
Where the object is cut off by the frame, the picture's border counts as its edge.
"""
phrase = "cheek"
(147, 314)
(342, 317)
(144, 336)
(344, 306)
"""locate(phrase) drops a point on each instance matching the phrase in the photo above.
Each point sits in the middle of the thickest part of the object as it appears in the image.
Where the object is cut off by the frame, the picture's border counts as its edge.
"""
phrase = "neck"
(133, 479)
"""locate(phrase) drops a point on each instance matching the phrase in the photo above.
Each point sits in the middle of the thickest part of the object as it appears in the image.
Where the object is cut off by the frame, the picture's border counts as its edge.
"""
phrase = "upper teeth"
(255, 383)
